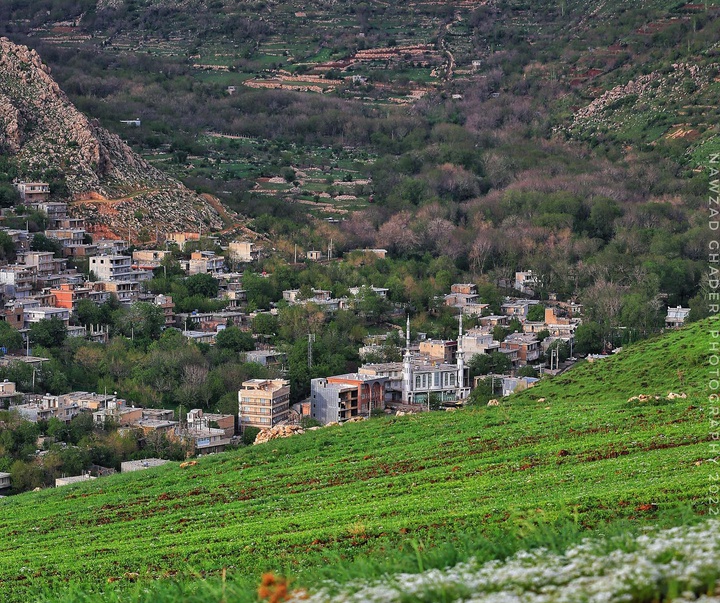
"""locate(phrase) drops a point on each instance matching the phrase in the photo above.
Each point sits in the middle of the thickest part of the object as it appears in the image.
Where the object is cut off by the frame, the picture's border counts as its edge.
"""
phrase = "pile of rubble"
(280, 431)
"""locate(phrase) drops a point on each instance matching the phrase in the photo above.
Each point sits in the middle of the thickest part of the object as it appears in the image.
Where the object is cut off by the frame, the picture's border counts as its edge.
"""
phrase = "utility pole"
(311, 340)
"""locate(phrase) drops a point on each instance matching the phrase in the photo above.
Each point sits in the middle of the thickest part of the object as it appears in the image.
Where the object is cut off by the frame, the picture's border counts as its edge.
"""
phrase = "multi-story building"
(69, 294)
(341, 397)
(526, 345)
(205, 262)
(243, 251)
(39, 313)
(165, 302)
(33, 192)
(67, 236)
(263, 403)
(18, 280)
(439, 349)
(479, 341)
(43, 262)
(127, 292)
(112, 267)
(148, 259)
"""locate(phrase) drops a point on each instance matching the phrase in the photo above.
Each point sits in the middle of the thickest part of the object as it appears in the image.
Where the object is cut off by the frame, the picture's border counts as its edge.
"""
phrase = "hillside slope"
(586, 452)
(49, 139)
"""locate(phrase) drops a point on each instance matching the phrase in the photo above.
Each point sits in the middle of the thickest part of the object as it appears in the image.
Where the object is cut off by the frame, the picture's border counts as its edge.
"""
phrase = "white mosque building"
(423, 378)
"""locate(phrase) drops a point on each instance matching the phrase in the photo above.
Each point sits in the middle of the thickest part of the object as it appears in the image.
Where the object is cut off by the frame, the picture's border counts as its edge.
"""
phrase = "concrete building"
(165, 302)
(5, 481)
(676, 317)
(263, 403)
(69, 294)
(205, 262)
(341, 397)
(197, 418)
(439, 349)
(33, 192)
(75, 479)
(129, 466)
(37, 314)
(479, 341)
(112, 268)
(243, 251)
(148, 259)
(526, 282)
(526, 345)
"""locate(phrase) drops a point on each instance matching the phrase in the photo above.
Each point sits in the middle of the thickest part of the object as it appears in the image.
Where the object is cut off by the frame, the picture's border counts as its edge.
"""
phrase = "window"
(417, 382)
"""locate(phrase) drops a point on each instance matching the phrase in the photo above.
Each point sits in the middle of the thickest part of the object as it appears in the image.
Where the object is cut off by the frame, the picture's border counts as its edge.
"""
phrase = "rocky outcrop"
(110, 184)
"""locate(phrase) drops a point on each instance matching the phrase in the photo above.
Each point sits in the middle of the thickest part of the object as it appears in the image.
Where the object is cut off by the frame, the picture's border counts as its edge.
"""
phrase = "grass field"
(409, 490)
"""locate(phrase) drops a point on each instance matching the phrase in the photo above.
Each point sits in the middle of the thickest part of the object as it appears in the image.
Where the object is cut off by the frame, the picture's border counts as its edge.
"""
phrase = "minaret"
(407, 369)
(460, 357)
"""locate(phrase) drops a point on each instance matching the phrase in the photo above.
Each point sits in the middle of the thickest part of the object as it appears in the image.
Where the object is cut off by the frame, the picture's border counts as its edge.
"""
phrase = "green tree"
(49, 333)
(42, 243)
(536, 313)
(588, 338)
(485, 364)
(87, 313)
(234, 339)
(202, 284)
(10, 338)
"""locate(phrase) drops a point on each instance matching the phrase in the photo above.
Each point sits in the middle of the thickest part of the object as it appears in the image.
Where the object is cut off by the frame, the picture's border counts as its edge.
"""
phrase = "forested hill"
(565, 137)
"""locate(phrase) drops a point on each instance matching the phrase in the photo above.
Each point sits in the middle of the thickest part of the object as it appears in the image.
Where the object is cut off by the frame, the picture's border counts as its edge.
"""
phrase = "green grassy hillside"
(585, 455)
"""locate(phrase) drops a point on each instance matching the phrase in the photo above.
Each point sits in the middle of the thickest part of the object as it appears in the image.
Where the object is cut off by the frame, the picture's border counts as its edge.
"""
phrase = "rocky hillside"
(49, 139)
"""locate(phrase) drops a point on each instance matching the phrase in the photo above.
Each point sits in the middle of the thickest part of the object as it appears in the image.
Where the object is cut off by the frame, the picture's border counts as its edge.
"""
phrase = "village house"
(33, 192)
(116, 268)
(518, 308)
(148, 259)
(180, 238)
(526, 345)
(201, 440)
(8, 394)
(111, 246)
(526, 282)
(56, 211)
(19, 238)
(69, 294)
(479, 341)
(197, 418)
(13, 313)
(442, 350)
(263, 403)
(204, 262)
(243, 251)
(314, 255)
(269, 357)
(165, 303)
(67, 237)
(676, 317)
(127, 292)
(380, 291)
(36, 314)
(5, 480)
(17, 280)
(43, 262)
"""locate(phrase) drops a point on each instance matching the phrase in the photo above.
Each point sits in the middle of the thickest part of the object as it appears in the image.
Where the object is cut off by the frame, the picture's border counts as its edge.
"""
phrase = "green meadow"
(569, 458)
